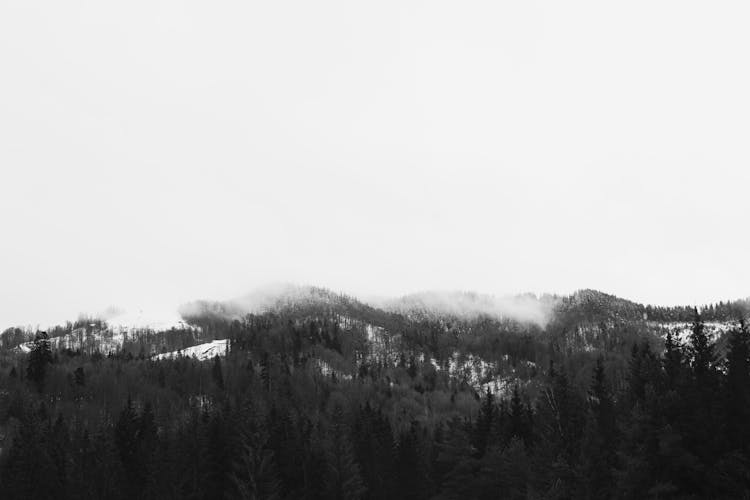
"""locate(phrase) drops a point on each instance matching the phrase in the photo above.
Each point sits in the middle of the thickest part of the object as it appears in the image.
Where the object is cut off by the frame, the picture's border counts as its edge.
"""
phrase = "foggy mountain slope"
(587, 312)
(590, 319)
(469, 305)
(441, 322)
(294, 302)
(485, 336)
(276, 298)
(471, 342)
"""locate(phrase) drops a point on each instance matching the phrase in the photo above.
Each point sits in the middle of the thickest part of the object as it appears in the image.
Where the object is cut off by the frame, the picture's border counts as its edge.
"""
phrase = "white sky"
(153, 152)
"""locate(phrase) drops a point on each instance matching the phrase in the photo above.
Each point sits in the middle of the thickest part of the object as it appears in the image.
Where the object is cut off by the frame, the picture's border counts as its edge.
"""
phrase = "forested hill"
(547, 312)
(312, 394)
(595, 305)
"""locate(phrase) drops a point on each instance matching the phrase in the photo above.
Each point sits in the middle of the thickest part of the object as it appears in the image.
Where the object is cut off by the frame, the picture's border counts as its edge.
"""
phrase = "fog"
(526, 308)
(157, 152)
(470, 305)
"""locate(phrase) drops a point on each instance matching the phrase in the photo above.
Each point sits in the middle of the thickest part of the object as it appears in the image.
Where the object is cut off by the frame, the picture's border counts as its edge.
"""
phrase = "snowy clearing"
(201, 351)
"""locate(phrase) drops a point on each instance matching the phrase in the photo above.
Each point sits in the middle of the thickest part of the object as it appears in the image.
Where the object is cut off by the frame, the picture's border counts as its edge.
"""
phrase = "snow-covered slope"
(120, 321)
(119, 326)
(201, 351)
(682, 330)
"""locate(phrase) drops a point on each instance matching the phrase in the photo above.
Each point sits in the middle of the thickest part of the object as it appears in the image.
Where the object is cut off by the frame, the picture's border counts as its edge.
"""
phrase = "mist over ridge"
(526, 308)
(429, 304)
(537, 309)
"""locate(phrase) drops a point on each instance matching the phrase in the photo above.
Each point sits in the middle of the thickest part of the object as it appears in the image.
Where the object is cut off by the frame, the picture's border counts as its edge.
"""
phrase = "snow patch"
(681, 331)
(202, 352)
(137, 320)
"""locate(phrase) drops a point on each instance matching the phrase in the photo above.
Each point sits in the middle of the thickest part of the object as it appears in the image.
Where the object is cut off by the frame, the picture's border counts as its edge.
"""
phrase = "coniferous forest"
(311, 405)
(339, 250)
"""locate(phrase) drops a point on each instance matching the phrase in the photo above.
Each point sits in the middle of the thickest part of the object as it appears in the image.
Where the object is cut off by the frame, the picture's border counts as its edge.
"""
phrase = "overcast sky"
(153, 152)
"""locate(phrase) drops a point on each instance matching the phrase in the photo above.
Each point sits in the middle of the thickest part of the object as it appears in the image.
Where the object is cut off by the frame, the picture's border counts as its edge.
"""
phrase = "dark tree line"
(297, 410)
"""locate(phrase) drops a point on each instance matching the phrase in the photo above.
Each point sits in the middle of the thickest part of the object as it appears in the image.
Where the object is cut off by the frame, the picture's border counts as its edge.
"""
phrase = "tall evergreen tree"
(519, 422)
(29, 472)
(217, 374)
(343, 480)
(147, 446)
(412, 466)
(127, 442)
(673, 362)
(598, 446)
(737, 388)
(701, 351)
(485, 423)
(254, 472)
(39, 358)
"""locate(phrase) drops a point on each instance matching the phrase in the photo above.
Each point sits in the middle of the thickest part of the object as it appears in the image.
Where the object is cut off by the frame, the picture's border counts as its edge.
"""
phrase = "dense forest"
(316, 405)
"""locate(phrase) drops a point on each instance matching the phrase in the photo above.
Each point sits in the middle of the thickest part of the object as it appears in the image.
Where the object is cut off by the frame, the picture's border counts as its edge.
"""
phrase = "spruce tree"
(602, 403)
(39, 357)
(673, 362)
(80, 376)
(28, 470)
(254, 472)
(216, 373)
(518, 417)
(343, 480)
(701, 350)
(126, 431)
(147, 445)
(598, 447)
(737, 395)
(485, 420)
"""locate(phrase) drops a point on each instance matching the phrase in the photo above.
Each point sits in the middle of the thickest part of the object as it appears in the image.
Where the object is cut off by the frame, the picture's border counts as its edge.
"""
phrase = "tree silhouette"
(40, 357)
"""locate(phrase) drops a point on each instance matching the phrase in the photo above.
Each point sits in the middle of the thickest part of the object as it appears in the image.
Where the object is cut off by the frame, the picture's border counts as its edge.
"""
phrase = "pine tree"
(485, 423)
(265, 371)
(39, 357)
(702, 395)
(513, 471)
(560, 421)
(518, 417)
(254, 472)
(28, 469)
(673, 362)
(80, 376)
(373, 445)
(737, 390)
(701, 350)
(457, 468)
(412, 466)
(602, 403)
(598, 445)
(412, 369)
(219, 455)
(343, 480)
(135, 439)
(59, 449)
(147, 445)
(644, 370)
(216, 373)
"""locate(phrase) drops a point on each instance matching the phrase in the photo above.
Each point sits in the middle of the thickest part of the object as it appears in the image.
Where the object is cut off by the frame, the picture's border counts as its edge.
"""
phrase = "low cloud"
(272, 297)
(467, 305)
(526, 308)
